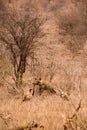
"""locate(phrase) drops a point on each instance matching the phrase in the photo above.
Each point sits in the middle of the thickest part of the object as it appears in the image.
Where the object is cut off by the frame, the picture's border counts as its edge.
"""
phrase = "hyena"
(43, 85)
(28, 96)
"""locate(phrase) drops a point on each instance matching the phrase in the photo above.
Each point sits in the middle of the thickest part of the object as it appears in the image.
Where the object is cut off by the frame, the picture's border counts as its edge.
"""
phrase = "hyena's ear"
(35, 78)
(39, 78)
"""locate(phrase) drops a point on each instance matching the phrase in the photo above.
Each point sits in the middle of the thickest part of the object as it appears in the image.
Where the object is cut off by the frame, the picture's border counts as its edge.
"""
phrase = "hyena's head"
(37, 81)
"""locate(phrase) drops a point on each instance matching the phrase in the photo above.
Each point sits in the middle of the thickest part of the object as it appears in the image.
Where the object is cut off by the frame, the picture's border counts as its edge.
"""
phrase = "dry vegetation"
(43, 65)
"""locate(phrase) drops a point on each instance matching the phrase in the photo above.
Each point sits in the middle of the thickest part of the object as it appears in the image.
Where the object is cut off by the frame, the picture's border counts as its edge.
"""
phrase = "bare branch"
(19, 34)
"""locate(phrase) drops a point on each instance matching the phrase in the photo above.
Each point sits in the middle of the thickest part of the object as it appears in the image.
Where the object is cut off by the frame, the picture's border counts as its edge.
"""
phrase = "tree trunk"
(19, 79)
(20, 71)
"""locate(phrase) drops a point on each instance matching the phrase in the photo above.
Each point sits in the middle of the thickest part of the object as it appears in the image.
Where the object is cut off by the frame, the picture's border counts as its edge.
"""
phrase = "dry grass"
(66, 72)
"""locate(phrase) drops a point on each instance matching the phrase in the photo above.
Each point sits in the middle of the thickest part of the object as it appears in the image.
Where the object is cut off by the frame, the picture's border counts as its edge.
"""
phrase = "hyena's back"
(47, 86)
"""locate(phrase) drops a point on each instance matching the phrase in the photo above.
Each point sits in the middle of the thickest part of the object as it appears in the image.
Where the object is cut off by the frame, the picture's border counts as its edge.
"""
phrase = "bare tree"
(19, 32)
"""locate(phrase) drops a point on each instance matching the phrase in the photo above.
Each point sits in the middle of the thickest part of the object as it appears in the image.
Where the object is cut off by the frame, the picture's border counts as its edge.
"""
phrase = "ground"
(66, 72)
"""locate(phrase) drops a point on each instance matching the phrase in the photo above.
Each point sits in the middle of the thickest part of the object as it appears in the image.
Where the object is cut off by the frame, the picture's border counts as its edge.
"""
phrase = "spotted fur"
(44, 85)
